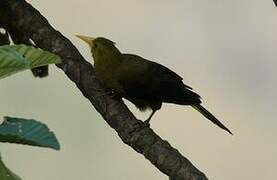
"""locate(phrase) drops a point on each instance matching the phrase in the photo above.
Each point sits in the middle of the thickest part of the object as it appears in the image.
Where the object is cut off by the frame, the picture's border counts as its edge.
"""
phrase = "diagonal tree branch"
(142, 139)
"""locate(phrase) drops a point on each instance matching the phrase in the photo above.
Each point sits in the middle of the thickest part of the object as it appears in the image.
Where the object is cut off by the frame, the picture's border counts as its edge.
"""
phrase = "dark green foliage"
(27, 132)
(6, 173)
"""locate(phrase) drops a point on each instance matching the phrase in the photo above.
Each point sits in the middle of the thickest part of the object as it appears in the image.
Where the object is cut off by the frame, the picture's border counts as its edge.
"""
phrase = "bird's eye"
(95, 45)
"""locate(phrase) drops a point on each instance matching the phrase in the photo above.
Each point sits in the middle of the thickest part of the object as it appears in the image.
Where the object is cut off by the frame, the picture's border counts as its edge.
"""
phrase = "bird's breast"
(105, 73)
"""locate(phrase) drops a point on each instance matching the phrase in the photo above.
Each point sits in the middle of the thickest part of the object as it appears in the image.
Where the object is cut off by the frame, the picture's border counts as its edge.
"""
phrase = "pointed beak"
(87, 39)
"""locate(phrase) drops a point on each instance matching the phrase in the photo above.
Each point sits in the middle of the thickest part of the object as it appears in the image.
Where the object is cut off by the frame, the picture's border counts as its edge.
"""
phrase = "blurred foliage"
(16, 58)
(13, 59)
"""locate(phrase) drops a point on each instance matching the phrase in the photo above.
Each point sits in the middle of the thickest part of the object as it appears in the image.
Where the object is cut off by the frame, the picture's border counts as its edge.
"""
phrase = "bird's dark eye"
(95, 45)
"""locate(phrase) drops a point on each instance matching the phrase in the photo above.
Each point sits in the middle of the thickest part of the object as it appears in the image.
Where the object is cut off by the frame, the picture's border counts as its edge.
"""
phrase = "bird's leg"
(148, 119)
(145, 124)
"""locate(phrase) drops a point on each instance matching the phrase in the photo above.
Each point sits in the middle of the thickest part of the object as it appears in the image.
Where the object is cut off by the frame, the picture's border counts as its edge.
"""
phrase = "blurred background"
(225, 50)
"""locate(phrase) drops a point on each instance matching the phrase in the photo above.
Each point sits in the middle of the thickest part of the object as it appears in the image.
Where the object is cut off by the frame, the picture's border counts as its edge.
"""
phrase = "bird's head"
(100, 47)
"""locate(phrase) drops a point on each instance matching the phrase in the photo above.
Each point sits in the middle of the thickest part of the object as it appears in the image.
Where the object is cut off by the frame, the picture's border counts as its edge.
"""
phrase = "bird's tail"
(211, 117)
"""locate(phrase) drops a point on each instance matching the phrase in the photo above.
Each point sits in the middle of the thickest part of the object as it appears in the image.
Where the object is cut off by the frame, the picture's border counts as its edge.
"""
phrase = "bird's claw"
(147, 122)
(140, 125)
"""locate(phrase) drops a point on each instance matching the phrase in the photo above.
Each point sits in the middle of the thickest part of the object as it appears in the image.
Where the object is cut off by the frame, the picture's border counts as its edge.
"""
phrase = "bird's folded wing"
(141, 78)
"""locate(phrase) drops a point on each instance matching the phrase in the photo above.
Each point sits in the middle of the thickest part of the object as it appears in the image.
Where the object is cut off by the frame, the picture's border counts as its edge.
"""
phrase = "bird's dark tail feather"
(209, 116)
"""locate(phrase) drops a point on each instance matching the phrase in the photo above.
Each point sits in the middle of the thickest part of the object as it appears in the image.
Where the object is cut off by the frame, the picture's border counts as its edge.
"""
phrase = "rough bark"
(132, 131)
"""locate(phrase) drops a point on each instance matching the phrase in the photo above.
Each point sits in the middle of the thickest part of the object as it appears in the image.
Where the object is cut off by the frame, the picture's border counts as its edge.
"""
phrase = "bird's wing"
(142, 78)
(159, 68)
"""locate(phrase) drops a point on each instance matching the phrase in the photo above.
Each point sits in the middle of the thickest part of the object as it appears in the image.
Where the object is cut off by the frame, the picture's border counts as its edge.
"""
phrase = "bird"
(144, 83)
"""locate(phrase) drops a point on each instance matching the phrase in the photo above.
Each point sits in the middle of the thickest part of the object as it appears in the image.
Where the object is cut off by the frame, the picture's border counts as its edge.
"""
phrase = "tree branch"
(142, 139)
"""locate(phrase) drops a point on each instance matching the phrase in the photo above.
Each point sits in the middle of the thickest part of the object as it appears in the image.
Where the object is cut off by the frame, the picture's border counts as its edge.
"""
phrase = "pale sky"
(225, 50)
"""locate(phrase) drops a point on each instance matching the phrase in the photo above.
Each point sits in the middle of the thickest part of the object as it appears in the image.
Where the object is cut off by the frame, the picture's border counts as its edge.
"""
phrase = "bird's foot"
(147, 122)
(140, 125)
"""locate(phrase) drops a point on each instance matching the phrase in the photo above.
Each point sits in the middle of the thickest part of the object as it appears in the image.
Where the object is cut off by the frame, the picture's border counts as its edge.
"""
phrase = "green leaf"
(27, 131)
(16, 58)
(6, 174)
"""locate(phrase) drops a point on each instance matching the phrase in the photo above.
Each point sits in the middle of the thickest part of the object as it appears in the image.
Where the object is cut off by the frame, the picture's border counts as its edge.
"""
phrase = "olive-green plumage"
(145, 83)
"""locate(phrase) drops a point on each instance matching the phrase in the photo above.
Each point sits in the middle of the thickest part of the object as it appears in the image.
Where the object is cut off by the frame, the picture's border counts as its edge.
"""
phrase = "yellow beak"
(87, 39)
